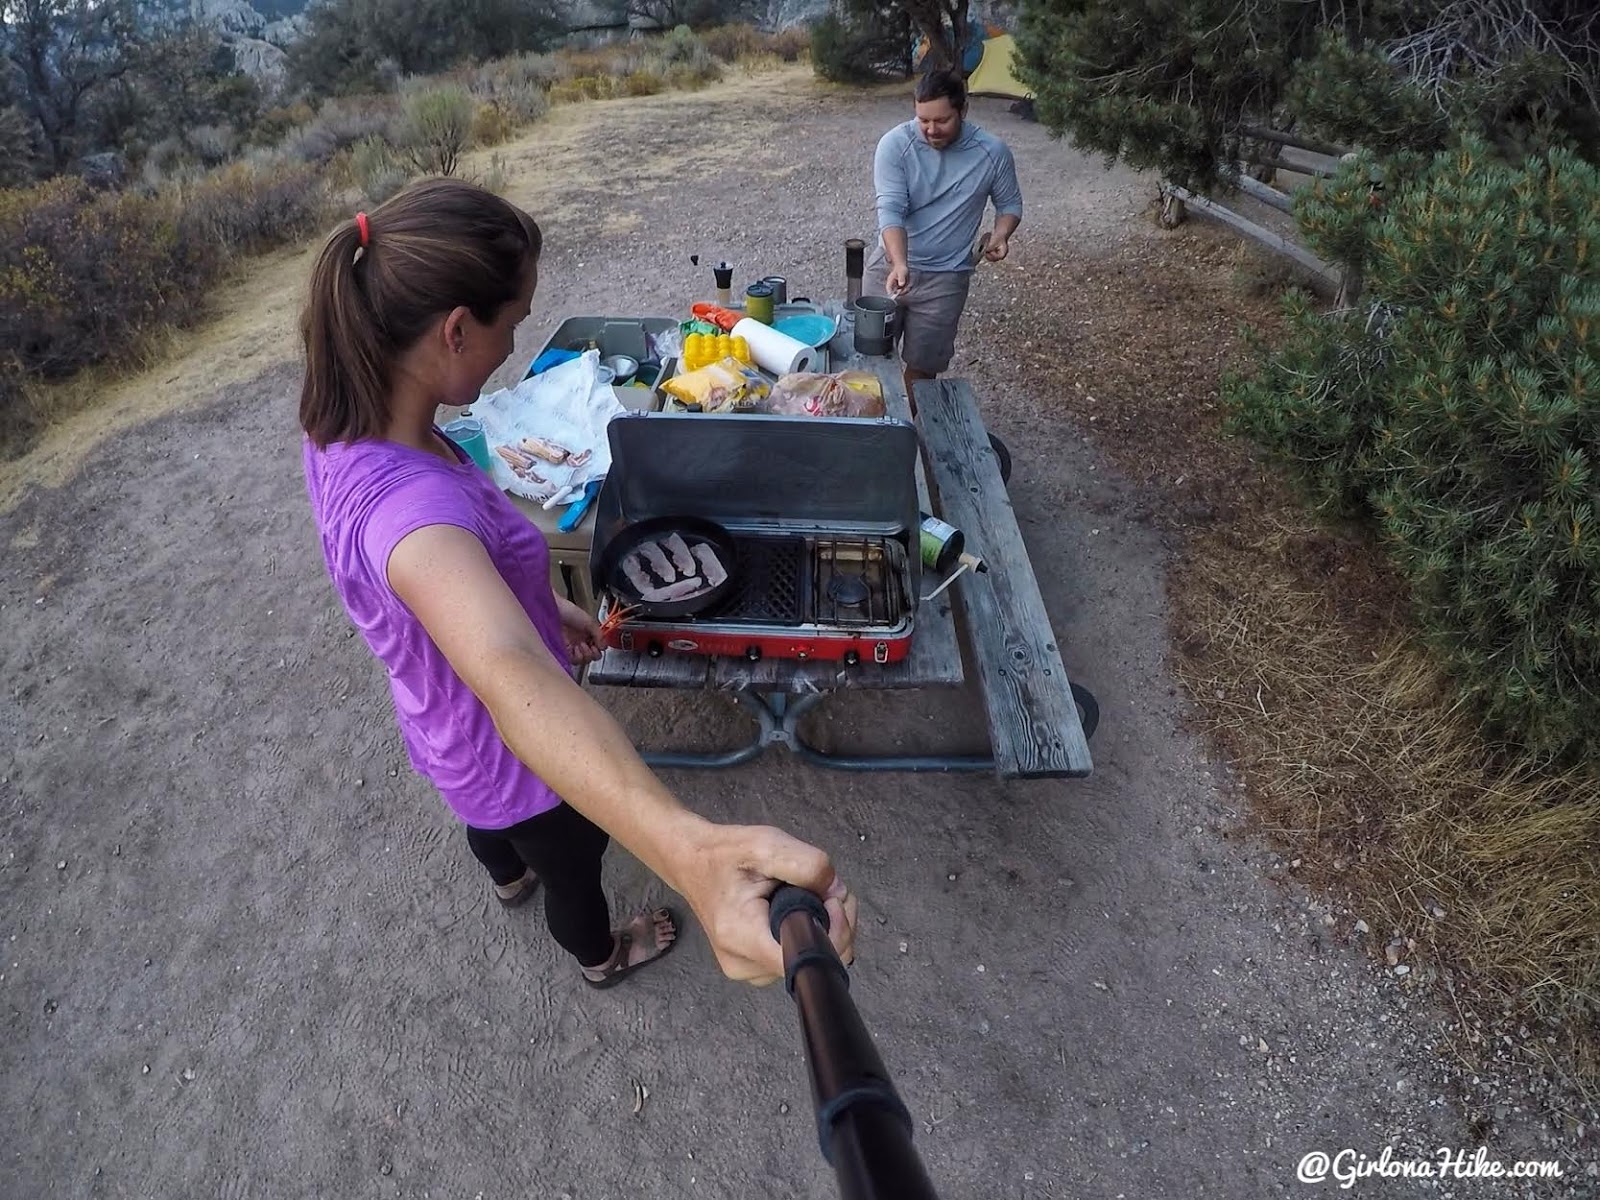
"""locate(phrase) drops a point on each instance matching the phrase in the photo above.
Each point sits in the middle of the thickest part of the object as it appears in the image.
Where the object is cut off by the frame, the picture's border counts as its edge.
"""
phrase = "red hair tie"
(364, 228)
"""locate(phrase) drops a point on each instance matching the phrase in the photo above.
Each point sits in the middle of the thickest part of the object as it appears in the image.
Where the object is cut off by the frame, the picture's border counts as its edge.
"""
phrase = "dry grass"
(1359, 761)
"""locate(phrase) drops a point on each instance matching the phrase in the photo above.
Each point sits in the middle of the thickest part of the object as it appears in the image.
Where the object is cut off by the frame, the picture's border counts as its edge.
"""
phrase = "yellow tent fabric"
(993, 76)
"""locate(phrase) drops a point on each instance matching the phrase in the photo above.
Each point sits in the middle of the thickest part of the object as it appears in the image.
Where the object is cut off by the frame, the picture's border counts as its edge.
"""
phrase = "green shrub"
(376, 170)
(688, 77)
(643, 83)
(523, 103)
(437, 128)
(683, 48)
(86, 275)
(275, 125)
(211, 144)
(792, 44)
(584, 87)
(340, 124)
(514, 86)
(736, 42)
(83, 274)
(246, 209)
(542, 70)
(732, 42)
(16, 147)
(490, 125)
(859, 52)
(1459, 409)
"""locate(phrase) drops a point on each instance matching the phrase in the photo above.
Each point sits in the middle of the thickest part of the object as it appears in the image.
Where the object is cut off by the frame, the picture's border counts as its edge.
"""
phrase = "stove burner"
(848, 590)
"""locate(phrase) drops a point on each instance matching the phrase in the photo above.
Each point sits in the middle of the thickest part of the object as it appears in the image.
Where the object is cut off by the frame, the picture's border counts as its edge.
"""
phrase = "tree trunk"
(960, 27)
(1173, 212)
(1349, 287)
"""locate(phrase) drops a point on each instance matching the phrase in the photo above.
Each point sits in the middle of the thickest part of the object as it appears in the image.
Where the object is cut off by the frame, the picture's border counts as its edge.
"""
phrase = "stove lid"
(788, 472)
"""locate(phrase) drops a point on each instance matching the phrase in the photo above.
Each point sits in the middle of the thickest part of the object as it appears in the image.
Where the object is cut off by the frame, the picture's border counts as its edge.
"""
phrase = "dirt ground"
(246, 952)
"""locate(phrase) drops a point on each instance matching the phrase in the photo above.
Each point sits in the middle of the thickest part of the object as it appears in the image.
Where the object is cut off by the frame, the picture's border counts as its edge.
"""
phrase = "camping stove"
(836, 596)
(823, 513)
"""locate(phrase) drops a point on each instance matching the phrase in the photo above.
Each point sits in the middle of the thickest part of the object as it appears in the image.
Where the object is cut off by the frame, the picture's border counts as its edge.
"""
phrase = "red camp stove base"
(849, 649)
(832, 597)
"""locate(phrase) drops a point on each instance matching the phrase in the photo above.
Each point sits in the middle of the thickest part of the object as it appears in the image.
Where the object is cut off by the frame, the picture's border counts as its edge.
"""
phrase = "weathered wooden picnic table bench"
(1039, 721)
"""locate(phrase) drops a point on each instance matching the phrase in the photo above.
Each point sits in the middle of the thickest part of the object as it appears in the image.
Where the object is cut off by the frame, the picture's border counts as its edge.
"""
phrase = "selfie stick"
(862, 1124)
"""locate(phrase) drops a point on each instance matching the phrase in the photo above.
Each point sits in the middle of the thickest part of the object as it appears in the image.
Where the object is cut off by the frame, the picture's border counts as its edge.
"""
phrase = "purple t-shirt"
(366, 496)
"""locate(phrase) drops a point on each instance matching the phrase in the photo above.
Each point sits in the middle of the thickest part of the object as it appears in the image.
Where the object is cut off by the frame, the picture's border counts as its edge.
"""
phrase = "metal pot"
(877, 324)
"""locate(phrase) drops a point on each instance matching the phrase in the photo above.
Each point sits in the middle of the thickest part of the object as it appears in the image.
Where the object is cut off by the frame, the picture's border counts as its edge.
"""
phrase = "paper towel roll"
(774, 351)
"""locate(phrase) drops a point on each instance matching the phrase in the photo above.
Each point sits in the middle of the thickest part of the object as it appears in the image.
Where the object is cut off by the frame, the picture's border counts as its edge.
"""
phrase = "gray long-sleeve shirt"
(938, 196)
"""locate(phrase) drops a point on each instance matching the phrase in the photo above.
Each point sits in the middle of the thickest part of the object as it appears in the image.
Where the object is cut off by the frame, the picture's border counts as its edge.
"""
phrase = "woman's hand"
(729, 875)
(581, 633)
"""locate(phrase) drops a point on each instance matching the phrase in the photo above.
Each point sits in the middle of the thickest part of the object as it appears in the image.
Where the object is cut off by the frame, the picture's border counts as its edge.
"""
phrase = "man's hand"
(737, 868)
(899, 279)
(581, 632)
(998, 246)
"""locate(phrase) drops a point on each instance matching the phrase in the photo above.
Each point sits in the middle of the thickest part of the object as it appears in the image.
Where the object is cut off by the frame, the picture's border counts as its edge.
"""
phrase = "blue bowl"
(813, 329)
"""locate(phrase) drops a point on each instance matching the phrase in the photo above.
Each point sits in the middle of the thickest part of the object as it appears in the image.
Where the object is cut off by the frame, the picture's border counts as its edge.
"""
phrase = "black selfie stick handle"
(862, 1124)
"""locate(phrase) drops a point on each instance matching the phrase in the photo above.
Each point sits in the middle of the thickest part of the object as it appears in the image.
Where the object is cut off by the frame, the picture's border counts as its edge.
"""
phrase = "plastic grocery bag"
(845, 394)
(723, 386)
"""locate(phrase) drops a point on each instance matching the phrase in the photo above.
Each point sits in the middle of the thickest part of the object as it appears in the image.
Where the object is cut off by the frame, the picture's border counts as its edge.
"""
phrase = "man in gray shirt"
(934, 176)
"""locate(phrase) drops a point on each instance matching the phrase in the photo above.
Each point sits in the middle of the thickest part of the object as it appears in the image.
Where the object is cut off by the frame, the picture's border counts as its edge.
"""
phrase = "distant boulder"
(228, 16)
(106, 171)
(286, 31)
(265, 63)
(781, 14)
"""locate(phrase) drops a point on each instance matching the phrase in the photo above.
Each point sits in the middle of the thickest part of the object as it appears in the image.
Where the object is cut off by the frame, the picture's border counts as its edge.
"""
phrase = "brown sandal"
(513, 894)
(616, 967)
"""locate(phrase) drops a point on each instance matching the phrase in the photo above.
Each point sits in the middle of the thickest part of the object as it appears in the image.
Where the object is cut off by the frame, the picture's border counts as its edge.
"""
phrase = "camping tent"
(995, 75)
(987, 60)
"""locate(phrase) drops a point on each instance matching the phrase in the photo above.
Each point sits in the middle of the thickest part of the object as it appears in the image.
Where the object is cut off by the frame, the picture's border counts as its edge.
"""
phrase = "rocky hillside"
(258, 34)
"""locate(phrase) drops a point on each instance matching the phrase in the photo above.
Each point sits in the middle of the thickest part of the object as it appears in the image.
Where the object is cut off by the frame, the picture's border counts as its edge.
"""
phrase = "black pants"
(564, 848)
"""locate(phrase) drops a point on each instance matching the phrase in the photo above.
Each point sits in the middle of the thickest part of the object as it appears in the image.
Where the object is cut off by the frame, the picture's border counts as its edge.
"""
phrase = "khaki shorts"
(930, 310)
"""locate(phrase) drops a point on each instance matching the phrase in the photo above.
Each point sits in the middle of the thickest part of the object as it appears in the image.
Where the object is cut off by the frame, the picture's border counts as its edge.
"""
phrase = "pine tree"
(1164, 84)
(1461, 409)
(1178, 85)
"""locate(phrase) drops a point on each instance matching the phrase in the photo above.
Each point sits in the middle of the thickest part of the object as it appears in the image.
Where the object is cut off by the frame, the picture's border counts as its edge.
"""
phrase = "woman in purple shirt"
(412, 308)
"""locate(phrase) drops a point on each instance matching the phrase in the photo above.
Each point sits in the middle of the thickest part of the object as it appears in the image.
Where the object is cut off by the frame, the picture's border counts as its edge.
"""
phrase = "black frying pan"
(691, 530)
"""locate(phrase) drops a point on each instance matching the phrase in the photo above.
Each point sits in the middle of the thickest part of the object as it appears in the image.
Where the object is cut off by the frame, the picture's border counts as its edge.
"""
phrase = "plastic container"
(467, 432)
(699, 349)
(758, 302)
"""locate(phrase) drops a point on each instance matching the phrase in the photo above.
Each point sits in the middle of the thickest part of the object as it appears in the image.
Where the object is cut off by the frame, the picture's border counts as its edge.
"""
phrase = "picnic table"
(1039, 720)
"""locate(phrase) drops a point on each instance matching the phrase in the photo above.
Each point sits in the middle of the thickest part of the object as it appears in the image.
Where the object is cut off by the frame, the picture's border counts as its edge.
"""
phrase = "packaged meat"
(844, 394)
(551, 452)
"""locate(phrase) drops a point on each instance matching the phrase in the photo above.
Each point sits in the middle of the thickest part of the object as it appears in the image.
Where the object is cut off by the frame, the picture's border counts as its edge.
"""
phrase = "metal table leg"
(778, 717)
